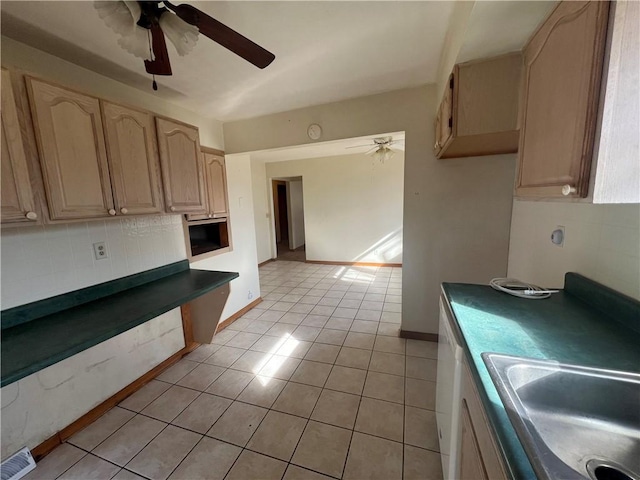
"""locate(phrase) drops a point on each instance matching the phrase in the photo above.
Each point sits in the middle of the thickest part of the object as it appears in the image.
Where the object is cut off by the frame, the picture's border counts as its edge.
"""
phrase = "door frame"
(276, 207)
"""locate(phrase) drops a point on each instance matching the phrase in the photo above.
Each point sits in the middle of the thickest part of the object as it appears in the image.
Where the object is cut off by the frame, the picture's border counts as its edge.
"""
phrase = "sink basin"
(574, 422)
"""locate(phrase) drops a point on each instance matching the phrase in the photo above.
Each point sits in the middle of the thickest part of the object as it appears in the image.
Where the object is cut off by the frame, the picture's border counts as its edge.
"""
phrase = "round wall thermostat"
(314, 131)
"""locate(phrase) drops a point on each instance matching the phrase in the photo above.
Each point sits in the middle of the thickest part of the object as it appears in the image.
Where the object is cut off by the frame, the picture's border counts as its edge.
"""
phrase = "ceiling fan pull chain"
(154, 84)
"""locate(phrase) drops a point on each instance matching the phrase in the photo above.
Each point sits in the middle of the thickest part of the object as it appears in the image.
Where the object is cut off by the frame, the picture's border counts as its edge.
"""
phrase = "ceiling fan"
(380, 148)
(143, 25)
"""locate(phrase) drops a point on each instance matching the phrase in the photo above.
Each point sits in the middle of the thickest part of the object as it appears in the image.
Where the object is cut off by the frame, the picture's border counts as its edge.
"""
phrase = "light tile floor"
(313, 383)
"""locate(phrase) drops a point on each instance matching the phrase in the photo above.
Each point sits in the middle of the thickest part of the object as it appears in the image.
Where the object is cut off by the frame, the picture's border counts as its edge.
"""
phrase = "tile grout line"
(287, 380)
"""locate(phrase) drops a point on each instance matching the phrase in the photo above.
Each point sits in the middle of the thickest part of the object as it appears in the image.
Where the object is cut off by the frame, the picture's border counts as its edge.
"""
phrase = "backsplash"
(40, 262)
(602, 242)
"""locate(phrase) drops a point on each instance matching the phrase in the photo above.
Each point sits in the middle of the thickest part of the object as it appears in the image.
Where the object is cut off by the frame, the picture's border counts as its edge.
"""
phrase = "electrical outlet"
(558, 236)
(250, 295)
(100, 250)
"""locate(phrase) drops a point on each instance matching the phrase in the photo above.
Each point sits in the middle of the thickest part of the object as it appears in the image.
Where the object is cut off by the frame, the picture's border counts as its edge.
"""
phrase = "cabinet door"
(444, 119)
(18, 203)
(471, 466)
(563, 68)
(133, 159)
(216, 185)
(180, 159)
(70, 140)
(437, 147)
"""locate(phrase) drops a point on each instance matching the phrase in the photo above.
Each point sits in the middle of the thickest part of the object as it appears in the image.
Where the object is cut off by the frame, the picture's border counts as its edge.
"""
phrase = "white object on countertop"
(520, 289)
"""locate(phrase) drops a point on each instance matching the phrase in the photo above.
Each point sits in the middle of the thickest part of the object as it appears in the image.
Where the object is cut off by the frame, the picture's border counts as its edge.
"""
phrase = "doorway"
(288, 215)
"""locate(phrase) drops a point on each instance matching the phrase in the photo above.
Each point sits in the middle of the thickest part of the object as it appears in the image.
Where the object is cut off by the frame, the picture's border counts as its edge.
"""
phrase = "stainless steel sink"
(574, 422)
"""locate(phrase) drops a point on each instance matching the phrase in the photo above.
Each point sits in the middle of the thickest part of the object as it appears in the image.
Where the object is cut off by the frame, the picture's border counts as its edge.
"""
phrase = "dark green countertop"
(562, 328)
(36, 344)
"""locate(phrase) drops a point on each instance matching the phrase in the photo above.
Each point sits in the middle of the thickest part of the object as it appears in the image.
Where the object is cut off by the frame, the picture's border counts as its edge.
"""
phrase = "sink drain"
(605, 470)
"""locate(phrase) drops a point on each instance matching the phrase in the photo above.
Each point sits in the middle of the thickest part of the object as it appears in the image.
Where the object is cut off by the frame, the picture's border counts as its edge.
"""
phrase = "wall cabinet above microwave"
(478, 114)
(182, 172)
(216, 185)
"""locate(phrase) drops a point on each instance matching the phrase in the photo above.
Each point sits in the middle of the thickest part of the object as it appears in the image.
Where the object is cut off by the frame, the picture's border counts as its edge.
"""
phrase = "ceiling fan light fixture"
(120, 17)
(383, 154)
(137, 43)
(143, 27)
(183, 36)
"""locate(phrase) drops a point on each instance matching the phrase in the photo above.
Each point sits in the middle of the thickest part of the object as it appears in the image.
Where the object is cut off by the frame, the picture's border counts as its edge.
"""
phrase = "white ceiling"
(349, 146)
(501, 27)
(325, 51)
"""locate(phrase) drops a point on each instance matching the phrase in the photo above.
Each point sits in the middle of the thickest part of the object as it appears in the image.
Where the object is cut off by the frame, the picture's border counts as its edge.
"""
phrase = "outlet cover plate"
(100, 250)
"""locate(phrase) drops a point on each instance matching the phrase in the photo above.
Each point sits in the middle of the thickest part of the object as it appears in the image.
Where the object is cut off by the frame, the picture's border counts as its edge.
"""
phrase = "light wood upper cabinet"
(180, 159)
(133, 159)
(563, 68)
(216, 183)
(216, 177)
(18, 201)
(444, 119)
(73, 156)
(478, 114)
(617, 170)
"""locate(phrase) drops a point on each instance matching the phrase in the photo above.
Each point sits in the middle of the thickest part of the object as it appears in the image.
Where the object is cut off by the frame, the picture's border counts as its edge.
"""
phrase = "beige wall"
(602, 242)
(456, 212)
(38, 406)
(352, 206)
(155, 246)
(261, 213)
(42, 261)
(453, 42)
(243, 258)
(39, 262)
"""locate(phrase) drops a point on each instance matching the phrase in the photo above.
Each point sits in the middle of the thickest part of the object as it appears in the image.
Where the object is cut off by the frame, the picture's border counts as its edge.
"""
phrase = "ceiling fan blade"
(372, 150)
(160, 64)
(225, 36)
(359, 146)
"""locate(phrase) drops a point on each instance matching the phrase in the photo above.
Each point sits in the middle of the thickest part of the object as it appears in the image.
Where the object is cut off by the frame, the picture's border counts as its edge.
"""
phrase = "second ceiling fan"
(380, 148)
(142, 27)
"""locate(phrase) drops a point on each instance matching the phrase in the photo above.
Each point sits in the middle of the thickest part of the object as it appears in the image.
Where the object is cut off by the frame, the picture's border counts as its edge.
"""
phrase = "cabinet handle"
(112, 212)
(173, 209)
(31, 216)
(124, 211)
(568, 190)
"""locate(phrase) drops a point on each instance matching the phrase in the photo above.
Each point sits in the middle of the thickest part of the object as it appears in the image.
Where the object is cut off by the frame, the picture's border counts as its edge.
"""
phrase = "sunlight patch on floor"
(269, 365)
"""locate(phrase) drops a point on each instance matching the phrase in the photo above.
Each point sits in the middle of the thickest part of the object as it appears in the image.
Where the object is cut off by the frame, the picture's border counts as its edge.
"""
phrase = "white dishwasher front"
(448, 394)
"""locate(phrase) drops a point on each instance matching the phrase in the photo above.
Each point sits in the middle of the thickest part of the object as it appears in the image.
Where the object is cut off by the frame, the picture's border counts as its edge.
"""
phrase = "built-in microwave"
(206, 236)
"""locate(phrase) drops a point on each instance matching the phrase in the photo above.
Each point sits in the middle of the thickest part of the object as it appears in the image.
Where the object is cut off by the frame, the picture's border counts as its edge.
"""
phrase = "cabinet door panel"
(471, 465)
(563, 67)
(181, 163)
(133, 159)
(445, 118)
(72, 152)
(437, 147)
(217, 185)
(18, 203)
